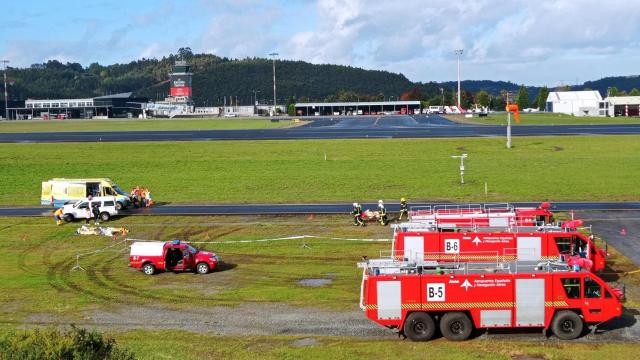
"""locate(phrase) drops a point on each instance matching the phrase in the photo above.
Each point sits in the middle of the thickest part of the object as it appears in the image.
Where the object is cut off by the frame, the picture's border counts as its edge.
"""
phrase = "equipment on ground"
(101, 231)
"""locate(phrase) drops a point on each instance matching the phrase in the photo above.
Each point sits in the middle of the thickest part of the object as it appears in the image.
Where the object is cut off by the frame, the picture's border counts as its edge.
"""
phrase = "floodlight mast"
(508, 124)
(273, 56)
(461, 157)
(6, 102)
(458, 53)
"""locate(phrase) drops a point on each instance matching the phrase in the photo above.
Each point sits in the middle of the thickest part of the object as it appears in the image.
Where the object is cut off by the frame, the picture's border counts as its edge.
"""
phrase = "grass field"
(545, 119)
(138, 124)
(537, 168)
(158, 345)
(37, 284)
(37, 278)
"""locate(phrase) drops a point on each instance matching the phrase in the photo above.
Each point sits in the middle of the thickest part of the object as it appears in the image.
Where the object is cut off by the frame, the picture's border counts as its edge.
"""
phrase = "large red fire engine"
(521, 243)
(482, 215)
(416, 297)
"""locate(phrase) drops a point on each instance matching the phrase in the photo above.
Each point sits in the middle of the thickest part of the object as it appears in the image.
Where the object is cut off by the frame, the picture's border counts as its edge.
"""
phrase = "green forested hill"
(216, 77)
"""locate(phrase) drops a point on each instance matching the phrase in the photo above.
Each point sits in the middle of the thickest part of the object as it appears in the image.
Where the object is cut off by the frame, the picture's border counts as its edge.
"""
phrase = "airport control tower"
(180, 91)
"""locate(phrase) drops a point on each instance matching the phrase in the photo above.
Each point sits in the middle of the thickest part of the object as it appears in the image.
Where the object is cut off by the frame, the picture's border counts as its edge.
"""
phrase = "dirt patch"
(528, 357)
(305, 342)
(557, 148)
(279, 319)
(314, 282)
(247, 319)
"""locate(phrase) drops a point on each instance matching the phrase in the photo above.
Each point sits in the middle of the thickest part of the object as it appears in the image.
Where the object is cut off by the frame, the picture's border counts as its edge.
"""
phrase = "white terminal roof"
(574, 95)
(624, 100)
(361, 103)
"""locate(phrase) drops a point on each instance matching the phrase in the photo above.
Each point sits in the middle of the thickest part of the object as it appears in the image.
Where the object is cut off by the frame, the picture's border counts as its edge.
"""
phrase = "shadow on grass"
(225, 266)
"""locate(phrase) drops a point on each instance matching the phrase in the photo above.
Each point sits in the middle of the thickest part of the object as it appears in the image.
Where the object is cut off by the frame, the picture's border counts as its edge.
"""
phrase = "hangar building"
(358, 108)
(577, 103)
(624, 105)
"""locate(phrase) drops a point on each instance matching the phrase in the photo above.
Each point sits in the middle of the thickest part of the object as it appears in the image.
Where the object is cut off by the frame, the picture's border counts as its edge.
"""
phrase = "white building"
(624, 105)
(578, 103)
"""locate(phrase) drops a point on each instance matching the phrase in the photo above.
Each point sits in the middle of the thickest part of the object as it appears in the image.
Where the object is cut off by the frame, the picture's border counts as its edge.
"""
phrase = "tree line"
(250, 79)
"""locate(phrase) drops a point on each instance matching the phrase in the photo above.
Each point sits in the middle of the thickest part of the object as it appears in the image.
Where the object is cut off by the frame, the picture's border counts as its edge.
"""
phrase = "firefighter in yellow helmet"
(357, 215)
(382, 213)
(404, 209)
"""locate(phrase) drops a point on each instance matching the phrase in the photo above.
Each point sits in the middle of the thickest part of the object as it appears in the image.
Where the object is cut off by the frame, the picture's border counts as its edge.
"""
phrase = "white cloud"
(524, 41)
(418, 38)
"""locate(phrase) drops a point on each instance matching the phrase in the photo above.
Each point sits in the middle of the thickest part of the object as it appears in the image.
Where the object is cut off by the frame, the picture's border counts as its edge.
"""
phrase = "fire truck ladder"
(459, 209)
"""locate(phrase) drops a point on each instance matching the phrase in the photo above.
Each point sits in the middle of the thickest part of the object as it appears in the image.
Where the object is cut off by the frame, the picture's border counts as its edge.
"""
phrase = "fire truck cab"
(154, 256)
(521, 243)
(415, 298)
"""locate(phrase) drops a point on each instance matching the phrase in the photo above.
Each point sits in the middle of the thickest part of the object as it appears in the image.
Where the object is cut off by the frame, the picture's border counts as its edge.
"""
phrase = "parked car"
(81, 209)
(154, 256)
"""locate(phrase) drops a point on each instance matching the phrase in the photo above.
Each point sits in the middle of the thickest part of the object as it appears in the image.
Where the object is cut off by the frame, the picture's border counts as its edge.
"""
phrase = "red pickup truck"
(154, 256)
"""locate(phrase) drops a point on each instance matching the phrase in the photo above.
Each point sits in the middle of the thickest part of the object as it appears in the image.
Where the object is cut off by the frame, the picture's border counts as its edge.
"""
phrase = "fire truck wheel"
(104, 216)
(567, 325)
(419, 326)
(202, 268)
(148, 269)
(456, 326)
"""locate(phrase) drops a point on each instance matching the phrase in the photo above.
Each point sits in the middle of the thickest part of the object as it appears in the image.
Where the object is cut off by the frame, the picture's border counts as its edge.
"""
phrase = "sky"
(541, 42)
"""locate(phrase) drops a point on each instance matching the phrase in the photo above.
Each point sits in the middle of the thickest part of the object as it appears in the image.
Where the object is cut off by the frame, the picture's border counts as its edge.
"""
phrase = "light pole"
(458, 53)
(273, 56)
(461, 157)
(255, 97)
(442, 93)
(508, 123)
(6, 102)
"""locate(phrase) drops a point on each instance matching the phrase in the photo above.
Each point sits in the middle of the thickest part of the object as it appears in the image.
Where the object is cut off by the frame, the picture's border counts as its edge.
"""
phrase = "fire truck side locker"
(530, 295)
(414, 247)
(389, 300)
(529, 248)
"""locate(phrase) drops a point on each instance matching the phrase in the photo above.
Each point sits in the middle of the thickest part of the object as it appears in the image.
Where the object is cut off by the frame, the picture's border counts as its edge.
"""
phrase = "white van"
(60, 191)
(82, 209)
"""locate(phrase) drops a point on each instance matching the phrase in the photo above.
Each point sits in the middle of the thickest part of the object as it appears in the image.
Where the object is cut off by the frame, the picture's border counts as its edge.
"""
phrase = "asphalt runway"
(621, 229)
(360, 127)
(292, 209)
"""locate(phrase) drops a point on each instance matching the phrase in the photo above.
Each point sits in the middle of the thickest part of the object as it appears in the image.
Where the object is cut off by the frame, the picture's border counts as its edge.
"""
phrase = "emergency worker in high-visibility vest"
(58, 216)
(382, 213)
(404, 209)
(357, 215)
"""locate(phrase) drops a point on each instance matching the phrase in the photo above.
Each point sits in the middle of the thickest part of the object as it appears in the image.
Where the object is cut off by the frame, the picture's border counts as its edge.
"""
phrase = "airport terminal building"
(111, 106)
(357, 108)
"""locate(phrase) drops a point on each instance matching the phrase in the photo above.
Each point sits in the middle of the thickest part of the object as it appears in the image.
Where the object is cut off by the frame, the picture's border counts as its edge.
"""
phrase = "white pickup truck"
(82, 208)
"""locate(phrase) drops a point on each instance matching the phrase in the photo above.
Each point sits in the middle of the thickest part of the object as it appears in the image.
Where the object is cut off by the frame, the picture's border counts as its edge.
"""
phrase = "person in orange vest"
(58, 216)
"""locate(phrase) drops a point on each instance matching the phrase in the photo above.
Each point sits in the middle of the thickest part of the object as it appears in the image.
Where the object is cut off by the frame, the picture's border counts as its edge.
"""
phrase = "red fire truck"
(152, 256)
(482, 215)
(414, 298)
(522, 243)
